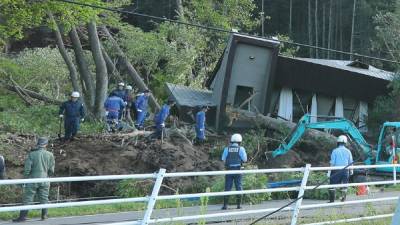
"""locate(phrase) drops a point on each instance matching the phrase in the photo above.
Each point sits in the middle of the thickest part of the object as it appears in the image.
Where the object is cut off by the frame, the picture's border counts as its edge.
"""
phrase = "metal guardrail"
(159, 176)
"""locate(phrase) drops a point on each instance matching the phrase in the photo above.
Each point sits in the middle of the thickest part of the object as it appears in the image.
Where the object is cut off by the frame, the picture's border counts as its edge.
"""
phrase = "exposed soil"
(106, 155)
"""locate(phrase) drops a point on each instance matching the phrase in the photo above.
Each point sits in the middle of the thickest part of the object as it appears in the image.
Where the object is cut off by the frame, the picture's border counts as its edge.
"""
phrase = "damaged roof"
(351, 66)
(191, 97)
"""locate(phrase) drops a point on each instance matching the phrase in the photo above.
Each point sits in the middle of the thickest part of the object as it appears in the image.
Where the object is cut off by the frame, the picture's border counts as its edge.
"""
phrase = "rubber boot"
(22, 216)
(331, 196)
(225, 206)
(44, 214)
(238, 202)
(343, 198)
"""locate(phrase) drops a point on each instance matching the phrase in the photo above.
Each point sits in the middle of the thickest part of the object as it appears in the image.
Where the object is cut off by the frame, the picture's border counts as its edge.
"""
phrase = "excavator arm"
(342, 124)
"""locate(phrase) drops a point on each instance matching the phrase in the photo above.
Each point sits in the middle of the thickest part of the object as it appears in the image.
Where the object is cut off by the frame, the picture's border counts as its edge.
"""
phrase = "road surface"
(280, 218)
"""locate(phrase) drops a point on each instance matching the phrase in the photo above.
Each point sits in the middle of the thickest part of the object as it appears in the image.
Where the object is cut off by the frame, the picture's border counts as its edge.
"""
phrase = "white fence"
(161, 174)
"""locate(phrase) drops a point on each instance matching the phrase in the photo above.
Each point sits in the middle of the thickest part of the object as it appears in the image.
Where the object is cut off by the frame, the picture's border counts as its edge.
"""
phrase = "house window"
(242, 94)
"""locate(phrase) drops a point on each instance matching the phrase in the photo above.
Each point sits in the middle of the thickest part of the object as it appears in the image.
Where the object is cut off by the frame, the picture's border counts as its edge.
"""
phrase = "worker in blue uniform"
(73, 113)
(2, 167)
(141, 104)
(113, 106)
(233, 156)
(201, 125)
(161, 116)
(121, 92)
(341, 156)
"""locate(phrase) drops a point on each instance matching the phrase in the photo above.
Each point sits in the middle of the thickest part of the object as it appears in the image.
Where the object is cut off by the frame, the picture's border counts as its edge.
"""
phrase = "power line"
(224, 30)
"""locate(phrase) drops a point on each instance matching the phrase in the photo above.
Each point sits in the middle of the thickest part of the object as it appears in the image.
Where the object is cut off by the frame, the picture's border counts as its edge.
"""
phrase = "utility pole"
(352, 29)
(262, 18)
(290, 18)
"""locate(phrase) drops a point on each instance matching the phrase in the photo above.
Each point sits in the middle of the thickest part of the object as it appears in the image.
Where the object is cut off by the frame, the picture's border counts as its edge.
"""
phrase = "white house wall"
(323, 105)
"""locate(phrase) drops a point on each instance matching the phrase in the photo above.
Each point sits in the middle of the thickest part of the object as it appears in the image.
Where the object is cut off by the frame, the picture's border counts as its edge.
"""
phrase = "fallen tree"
(32, 94)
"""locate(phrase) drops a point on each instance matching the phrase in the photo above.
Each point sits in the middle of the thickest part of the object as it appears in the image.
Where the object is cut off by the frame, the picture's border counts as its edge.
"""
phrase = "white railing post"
(296, 209)
(396, 216)
(153, 197)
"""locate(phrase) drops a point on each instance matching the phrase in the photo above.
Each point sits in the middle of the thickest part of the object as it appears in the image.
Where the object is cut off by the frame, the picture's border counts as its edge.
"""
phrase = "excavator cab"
(388, 149)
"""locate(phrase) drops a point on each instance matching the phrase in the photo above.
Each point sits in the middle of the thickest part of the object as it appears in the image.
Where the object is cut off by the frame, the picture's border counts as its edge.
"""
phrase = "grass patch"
(42, 120)
(101, 209)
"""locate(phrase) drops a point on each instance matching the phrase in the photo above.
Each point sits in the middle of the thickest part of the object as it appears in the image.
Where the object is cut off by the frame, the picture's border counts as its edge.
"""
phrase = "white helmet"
(128, 87)
(236, 138)
(75, 94)
(121, 84)
(342, 139)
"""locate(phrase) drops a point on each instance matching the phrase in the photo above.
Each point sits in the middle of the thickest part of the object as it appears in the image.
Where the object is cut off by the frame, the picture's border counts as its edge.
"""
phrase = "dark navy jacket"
(72, 110)
(121, 94)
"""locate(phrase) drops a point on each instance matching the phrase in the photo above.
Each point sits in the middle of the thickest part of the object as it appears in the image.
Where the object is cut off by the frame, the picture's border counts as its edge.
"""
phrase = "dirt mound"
(106, 155)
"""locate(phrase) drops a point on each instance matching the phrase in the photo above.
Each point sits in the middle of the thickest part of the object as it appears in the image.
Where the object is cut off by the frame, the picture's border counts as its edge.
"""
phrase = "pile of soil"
(107, 155)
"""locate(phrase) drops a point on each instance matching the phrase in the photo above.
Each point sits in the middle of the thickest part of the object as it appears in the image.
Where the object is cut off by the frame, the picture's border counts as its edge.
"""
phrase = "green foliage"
(134, 188)
(19, 15)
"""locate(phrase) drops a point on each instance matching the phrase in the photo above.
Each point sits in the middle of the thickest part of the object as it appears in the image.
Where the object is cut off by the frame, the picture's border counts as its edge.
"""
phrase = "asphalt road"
(280, 218)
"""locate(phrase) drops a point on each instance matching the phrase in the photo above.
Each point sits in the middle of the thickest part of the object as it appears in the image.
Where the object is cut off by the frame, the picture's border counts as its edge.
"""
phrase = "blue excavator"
(386, 151)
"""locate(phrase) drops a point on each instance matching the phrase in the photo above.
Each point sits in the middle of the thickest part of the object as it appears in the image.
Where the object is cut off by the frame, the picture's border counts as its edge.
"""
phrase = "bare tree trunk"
(73, 73)
(324, 29)
(310, 29)
(101, 70)
(316, 28)
(86, 75)
(352, 29)
(330, 29)
(290, 17)
(179, 7)
(131, 70)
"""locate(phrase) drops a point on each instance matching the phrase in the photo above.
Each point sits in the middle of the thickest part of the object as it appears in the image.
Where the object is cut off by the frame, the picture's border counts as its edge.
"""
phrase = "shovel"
(59, 130)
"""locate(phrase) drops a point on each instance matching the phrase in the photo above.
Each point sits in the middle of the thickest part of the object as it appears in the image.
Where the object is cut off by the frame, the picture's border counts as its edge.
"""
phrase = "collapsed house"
(251, 76)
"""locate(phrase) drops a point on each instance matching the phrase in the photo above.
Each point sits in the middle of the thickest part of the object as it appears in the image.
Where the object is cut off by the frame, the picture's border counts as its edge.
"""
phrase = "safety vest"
(233, 158)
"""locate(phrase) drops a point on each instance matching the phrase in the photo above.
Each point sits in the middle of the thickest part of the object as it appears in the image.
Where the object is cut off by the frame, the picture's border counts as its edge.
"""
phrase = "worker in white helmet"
(342, 157)
(233, 156)
(73, 113)
(120, 92)
(129, 102)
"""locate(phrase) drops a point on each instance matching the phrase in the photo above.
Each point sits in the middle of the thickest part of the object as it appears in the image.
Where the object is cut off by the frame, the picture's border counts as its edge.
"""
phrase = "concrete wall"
(250, 68)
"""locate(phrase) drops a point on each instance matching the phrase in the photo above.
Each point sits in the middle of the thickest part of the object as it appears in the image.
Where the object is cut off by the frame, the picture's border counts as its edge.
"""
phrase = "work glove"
(61, 116)
(106, 113)
(328, 174)
(125, 103)
(163, 125)
(139, 110)
(82, 120)
(351, 172)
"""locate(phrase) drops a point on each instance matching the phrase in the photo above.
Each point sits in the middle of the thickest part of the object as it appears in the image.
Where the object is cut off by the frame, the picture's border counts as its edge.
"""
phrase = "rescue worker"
(120, 91)
(74, 114)
(113, 105)
(201, 125)
(161, 116)
(39, 164)
(233, 156)
(2, 168)
(341, 156)
(141, 104)
(129, 101)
